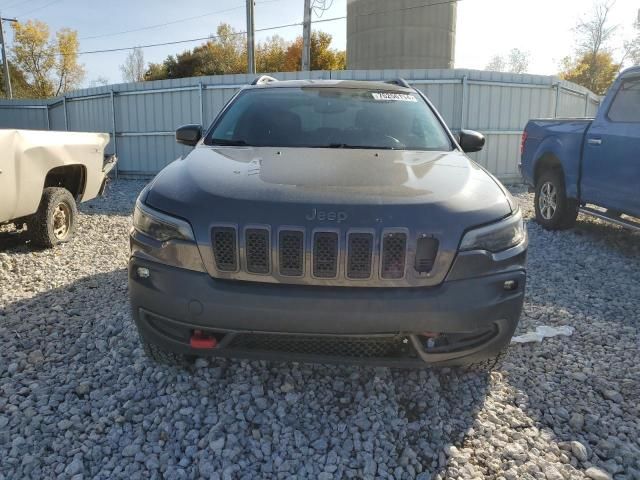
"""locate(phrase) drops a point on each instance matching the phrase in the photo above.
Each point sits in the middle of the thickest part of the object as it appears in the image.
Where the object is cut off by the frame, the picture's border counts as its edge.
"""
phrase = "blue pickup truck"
(588, 165)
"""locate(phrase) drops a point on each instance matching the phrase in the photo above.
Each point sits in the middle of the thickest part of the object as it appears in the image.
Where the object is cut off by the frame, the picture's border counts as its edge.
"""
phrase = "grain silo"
(400, 34)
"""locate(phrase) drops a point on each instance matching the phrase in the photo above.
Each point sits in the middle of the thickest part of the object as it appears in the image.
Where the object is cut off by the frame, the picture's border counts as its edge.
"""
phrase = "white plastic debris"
(542, 332)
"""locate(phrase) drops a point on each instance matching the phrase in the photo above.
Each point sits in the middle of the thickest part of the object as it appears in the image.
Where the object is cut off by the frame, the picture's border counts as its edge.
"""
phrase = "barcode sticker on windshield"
(398, 97)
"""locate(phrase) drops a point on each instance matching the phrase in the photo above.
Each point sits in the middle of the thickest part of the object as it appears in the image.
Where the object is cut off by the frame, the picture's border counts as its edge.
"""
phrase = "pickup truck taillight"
(522, 142)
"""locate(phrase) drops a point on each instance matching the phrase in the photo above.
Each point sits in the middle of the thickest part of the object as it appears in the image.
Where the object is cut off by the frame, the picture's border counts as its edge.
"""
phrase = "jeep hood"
(280, 185)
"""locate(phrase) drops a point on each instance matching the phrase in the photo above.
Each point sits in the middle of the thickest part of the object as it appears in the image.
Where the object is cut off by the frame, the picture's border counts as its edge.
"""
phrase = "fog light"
(510, 285)
(143, 272)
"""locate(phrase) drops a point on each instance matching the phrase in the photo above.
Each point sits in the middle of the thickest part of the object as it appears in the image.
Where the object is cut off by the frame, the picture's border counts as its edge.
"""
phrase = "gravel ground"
(78, 398)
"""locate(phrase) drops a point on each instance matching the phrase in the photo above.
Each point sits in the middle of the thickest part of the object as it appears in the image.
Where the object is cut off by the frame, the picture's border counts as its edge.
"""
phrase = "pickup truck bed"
(589, 165)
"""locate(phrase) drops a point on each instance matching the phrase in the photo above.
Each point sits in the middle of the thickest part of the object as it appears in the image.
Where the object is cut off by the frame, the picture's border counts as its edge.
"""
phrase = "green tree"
(50, 66)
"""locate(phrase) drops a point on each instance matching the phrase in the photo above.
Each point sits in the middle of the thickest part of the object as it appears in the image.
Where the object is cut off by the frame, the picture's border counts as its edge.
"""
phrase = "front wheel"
(554, 210)
(55, 220)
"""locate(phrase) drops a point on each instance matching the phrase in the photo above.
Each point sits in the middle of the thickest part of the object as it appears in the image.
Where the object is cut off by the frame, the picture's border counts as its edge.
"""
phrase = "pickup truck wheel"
(55, 220)
(554, 210)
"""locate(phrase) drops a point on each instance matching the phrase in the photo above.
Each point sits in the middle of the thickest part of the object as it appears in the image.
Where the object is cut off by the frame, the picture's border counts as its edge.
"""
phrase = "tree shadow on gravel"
(77, 395)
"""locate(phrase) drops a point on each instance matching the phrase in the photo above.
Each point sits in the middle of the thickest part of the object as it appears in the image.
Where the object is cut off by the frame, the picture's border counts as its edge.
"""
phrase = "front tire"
(55, 220)
(554, 210)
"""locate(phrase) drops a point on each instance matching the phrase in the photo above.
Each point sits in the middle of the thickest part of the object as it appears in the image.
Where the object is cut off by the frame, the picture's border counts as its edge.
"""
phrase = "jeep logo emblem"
(322, 216)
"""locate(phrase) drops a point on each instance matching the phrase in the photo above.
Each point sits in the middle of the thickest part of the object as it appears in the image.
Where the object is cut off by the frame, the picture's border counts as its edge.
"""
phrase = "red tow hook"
(201, 340)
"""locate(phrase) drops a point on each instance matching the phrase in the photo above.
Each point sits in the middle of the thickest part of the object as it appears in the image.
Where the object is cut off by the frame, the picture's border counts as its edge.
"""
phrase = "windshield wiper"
(229, 143)
(347, 145)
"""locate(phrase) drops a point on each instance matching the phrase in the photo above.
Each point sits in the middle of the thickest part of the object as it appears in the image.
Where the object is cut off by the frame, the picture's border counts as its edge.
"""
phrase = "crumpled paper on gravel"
(543, 332)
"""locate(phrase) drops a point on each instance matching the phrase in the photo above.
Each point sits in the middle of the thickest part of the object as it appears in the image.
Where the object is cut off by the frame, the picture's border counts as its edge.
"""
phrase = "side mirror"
(189, 135)
(471, 141)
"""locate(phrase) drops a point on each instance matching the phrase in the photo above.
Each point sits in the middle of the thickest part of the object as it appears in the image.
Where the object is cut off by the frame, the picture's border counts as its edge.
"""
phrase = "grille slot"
(325, 255)
(291, 253)
(257, 250)
(360, 255)
(223, 240)
(394, 252)
(358, 347)
(426, 252)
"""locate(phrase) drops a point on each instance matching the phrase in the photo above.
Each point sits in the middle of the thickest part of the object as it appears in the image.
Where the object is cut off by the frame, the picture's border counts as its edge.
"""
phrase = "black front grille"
(223, 240)
(257, 250)
(354, 347)
(360, 251)
(291, 253)
(426, 252)
(394, 251)
(325, 254)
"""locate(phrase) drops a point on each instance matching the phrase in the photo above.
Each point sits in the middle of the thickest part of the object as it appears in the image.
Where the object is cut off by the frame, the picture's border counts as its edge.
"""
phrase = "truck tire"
(55, 220)
(158, 355)
(554, 210)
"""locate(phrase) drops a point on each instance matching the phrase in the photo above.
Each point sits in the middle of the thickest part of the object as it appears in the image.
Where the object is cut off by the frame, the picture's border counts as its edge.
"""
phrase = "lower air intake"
(358, 347)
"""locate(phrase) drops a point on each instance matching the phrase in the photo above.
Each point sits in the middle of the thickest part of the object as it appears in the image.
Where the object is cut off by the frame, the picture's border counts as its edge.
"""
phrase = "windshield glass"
(330, 118)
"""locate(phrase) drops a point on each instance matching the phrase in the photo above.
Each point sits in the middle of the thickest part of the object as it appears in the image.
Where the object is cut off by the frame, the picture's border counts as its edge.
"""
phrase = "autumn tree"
(19, 84)
(50, 66)
(133, 68)
(597, 74)
(593, 66)
(517, 61)
(632, 46)
(226, 53)
(322, 56)
(271, 54)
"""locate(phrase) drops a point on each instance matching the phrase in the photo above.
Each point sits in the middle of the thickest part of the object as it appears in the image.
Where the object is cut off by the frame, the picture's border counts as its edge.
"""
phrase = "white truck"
(43, 175)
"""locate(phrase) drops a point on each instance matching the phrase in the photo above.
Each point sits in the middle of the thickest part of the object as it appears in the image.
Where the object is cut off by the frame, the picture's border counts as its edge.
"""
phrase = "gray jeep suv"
(327, 220)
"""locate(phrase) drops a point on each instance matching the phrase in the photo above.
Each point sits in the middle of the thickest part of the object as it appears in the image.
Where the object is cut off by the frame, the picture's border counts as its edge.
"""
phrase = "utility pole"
(5, 60)
(251, 42)
(306, 37)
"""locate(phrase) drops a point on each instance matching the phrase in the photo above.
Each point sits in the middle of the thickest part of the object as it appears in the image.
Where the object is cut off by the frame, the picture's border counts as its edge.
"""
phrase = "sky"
(544, 28)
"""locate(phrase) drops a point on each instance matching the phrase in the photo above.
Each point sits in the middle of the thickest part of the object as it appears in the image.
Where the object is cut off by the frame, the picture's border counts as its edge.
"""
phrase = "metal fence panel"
(144, 115)
(23, 114)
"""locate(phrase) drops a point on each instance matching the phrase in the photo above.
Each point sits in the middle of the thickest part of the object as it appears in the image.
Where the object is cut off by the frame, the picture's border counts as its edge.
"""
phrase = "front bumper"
(171, 303)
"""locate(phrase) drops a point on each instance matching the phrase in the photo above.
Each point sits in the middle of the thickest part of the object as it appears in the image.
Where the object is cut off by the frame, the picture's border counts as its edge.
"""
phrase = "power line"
(15, 4)
(29, 12)
(176, 42)
(149, 27)
(297, 24)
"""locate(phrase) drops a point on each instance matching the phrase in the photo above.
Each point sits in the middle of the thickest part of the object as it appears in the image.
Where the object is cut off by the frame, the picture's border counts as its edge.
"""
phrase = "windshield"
(330, 118)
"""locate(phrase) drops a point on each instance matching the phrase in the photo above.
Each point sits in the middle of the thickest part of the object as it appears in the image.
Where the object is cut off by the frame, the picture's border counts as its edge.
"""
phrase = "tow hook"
(203, 341)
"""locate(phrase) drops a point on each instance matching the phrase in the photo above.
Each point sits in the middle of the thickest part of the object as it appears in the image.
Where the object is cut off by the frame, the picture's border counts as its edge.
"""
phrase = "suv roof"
(333, 83)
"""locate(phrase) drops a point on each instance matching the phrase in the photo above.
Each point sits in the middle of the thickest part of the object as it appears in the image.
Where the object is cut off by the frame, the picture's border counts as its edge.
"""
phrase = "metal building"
(403, 34)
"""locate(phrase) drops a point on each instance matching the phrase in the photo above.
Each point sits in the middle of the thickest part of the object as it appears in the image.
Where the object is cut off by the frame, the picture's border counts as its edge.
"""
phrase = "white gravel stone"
(79, 399)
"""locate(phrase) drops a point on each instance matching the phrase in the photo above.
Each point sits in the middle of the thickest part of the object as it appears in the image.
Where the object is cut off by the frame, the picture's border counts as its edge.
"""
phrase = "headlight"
(160, 226)
(496, 237)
